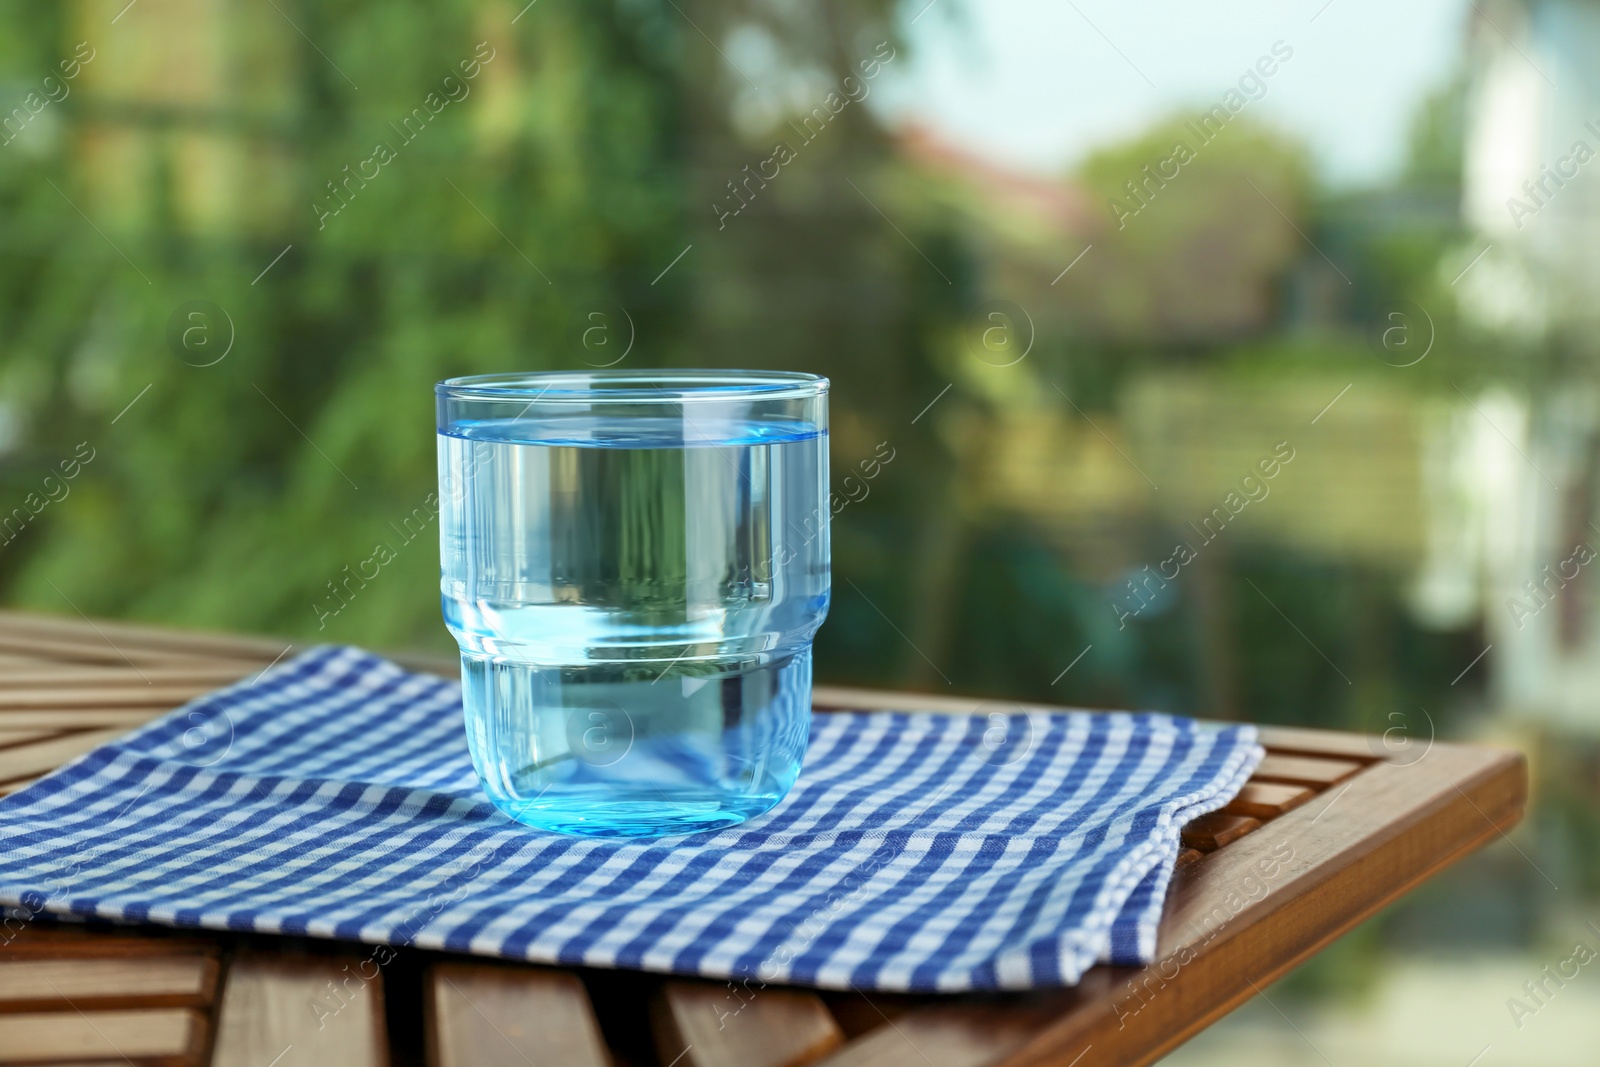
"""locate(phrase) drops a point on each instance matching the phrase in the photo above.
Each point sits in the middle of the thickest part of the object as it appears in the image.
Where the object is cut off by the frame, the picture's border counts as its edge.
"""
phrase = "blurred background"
(1235, 360)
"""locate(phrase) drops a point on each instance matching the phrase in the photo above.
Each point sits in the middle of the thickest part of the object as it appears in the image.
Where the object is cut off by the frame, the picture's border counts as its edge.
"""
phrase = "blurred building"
(1089, 479)
(1112, 416)
(1521, 494)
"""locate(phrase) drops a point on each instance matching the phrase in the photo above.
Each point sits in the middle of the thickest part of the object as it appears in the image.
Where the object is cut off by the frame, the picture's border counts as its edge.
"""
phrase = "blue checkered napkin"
(334, 797)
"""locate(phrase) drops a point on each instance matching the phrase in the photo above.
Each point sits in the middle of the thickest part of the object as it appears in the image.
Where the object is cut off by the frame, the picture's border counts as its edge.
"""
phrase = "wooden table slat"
(70, 650)
(64, 720)
(301, 1011)
(42, 941)
(731, 1024)
(51, 676)
(493, 1015)
(1305, 770)
(137, 637)
(10, 662)
(10, 737)
(1210, 832)
(169, 1037)
(1268, 800)
(954, 1035)
(135, 695)
(26, 761)
(169, 981)
(1302, 741)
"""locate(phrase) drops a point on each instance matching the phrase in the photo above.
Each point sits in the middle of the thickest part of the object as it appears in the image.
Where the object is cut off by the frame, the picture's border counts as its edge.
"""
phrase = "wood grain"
(300, 1011)
(1299, 740)
(166, 981)
(725, 1024)
(50, 676)
(1305, 770)
(107, 652)
(10, 663)
(489, 1015)
(40, 941)
(11, 737)
(1268, 800)
(36, 698)
(62, 721)
(76, 631)
(173, 1036)
(959, 1034)
(1210, 832)
(26, 761)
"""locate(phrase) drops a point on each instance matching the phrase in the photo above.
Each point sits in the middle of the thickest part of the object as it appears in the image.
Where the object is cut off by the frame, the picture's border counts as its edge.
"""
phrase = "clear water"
(635, 600)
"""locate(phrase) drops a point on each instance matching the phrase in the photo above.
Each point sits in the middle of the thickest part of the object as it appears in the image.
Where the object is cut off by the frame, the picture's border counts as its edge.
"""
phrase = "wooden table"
(1332, 828)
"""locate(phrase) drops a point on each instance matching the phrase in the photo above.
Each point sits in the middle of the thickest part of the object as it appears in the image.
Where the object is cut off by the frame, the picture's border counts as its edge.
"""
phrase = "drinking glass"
(634, 565)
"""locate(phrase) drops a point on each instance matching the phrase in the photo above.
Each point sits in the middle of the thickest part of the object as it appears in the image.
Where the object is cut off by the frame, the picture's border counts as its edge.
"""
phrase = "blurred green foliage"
(230, 494)
(258, 157)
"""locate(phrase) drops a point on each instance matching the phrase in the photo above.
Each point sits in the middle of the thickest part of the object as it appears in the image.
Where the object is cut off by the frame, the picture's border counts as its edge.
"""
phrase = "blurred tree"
(478, 228)
(1438, 136)
(1195, 233)
(369, 199)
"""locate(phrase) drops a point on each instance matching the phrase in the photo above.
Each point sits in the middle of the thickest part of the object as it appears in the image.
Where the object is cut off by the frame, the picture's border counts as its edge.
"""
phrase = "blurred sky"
(1032, 84)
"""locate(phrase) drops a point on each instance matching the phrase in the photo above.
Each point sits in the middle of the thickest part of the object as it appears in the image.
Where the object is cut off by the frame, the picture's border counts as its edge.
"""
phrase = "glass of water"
(634, 565)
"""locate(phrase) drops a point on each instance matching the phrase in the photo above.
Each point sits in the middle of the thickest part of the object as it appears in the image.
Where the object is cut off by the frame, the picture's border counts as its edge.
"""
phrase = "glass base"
(609, 750)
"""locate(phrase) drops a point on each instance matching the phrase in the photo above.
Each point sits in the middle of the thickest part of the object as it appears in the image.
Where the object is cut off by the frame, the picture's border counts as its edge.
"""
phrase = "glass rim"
(657, 385)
